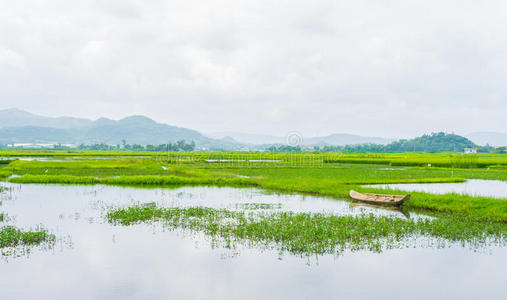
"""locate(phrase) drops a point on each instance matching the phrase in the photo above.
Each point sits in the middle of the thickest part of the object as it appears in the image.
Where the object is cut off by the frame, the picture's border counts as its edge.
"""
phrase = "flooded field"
(472, 187)
(93, 259)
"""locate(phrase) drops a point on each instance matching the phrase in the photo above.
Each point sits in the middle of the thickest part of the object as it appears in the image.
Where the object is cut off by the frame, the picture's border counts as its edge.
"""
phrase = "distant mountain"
(434, 142)
(15, 117)
(35, 134)
(439, 142)
(17, 126)
(491, 138)
(337, 139)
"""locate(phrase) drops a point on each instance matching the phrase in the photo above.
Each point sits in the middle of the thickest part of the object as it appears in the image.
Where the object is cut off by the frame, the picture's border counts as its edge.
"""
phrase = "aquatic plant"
(11, 236)
(313, 233)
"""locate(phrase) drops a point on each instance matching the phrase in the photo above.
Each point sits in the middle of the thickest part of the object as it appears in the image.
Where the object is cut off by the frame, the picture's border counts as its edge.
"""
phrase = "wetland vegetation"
(11, 236)
(314, 233)
(456, 217)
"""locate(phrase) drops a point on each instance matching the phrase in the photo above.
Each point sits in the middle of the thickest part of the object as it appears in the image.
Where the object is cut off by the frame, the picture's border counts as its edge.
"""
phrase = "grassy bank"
(230, 159)
(312, 233)
(4, 174)
(492, 208)
(334, 181)
(134, 180)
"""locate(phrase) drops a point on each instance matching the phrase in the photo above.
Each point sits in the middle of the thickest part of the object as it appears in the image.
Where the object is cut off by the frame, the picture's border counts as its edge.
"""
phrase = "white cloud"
(391, 69)
(11, 61)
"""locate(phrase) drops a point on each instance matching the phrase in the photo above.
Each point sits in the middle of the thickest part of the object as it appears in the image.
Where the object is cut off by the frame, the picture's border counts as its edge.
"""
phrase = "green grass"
(11, 236)
(4, 174)
(78, 153)
(455, 160)
(313, 233)
(334, 181)
(134, 180)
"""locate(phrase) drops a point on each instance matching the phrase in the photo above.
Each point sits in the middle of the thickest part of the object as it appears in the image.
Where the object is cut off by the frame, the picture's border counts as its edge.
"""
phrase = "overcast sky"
(375, 68)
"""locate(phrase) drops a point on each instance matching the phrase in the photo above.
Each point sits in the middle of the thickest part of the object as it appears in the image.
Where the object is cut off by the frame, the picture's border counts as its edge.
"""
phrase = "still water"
(95, 260)
(473, 187)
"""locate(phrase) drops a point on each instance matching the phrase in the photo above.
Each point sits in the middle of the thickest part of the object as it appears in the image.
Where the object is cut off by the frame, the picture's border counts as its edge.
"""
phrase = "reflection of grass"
(2, 217)
(255, 206)
(313, 233)
(11, 236)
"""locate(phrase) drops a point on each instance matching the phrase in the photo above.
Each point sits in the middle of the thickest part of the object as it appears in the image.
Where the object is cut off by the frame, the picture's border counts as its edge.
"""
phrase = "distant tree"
(435, 142)
(500, 150)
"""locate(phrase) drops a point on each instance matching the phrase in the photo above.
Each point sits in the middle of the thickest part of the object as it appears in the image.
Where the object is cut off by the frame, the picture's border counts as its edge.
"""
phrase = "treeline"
(173, 147)
(435, 142)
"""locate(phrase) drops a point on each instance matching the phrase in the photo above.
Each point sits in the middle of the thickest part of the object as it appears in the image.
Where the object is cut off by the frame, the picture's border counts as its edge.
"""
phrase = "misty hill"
(435, 142)
(489, 138)
(35, 134)
(15, 117)
(22, 127)
(334, 139)
(441, 142)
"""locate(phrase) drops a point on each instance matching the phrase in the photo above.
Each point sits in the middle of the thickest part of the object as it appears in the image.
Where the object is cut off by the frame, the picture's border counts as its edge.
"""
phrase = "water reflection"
(473, 187)
(144, 262)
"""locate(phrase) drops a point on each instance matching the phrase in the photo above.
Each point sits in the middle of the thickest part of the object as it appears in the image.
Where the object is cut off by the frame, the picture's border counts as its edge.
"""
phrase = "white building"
(470, 150)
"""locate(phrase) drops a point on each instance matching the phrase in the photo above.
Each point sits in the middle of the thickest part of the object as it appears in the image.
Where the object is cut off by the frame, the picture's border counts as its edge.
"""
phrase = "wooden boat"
(379, 198)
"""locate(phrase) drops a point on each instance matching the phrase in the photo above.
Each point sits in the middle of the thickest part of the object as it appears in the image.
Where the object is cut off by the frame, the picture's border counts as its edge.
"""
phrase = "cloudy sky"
(376, 68)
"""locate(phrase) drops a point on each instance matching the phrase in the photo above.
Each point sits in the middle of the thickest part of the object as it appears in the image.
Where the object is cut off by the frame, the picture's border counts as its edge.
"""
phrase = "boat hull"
(379, 199)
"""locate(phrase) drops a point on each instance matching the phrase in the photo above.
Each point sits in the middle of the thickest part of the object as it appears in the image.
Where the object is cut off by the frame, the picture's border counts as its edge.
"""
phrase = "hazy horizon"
(393, 70)
(225, 132)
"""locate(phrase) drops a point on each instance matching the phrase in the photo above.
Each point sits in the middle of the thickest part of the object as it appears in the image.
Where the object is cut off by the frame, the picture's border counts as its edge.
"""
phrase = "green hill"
(17, 126)
(439, 142)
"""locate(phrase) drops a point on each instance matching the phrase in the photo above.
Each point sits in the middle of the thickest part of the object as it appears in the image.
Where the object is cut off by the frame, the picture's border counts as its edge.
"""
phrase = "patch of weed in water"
(313, 233)
(15, 242)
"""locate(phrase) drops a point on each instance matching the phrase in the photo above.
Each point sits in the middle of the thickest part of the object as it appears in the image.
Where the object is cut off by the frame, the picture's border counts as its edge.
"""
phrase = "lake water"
(95, 260)
(473, 187)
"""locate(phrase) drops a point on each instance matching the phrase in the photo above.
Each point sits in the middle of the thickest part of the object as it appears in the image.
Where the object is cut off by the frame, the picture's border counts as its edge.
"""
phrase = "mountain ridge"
(19, 126)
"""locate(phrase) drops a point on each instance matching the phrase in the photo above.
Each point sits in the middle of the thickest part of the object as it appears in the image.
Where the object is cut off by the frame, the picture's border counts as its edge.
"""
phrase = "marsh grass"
(313, 233)
(4, 174)
(14, 240)
(335, 182)
(134, 180)
(305, 183)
